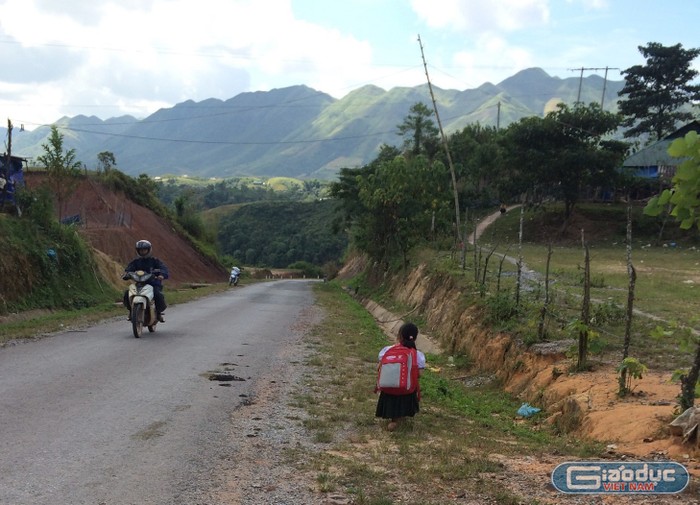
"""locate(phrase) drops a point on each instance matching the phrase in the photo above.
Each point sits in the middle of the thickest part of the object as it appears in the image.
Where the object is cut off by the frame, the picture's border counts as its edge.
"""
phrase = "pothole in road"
(224, 377)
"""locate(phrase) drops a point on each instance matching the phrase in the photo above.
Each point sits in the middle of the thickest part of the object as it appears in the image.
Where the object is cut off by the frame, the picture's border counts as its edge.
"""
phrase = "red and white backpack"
(398, 371)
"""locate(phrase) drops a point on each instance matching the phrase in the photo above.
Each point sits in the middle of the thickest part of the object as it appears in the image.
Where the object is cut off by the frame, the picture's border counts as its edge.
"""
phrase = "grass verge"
(457, 443)
(35, 323)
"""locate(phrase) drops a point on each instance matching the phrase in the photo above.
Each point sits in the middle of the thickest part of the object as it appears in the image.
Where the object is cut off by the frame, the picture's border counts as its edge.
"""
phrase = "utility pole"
(9, 140)
(580, 80)
(498, 117)
(447, 149)
(605, 83)
(5, 175)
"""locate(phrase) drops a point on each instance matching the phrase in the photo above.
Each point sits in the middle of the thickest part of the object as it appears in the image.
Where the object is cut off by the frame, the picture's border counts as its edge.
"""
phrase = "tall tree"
(346, 191)
(419, 131)
(478, 159)
(565, 151)
(397, 199)
(656, 92)
(62, 168)
(106, 161)
(388, 205)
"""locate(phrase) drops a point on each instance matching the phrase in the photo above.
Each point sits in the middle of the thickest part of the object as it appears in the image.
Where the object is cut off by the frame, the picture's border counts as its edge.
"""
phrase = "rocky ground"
(269, 444)
(267, 434)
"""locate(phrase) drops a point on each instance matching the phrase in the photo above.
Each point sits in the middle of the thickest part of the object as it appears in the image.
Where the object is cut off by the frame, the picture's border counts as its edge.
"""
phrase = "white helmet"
(141, 245)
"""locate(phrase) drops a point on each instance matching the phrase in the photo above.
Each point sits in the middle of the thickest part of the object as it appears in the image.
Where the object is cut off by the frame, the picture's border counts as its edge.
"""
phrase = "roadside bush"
(606, 313)
(46, 266)
(307, 269)
(36, 206)
(501, 308)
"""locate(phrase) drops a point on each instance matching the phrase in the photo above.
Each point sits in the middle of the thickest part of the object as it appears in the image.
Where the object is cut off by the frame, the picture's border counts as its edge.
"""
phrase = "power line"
(580, 82)
(226, 142)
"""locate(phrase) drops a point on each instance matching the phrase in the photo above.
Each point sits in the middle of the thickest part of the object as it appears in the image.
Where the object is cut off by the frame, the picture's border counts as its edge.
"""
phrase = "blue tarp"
(12, 176)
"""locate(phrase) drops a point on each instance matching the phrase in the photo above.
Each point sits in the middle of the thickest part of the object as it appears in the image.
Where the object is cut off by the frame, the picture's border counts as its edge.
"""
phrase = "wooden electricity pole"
(447, 152)
(580, 81)
(5, 173)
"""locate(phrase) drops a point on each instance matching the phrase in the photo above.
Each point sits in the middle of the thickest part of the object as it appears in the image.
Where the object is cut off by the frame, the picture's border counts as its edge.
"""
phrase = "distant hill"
(298, 131)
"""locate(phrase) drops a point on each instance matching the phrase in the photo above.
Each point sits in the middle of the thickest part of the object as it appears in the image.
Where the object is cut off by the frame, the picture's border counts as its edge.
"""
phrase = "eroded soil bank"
(584, 404)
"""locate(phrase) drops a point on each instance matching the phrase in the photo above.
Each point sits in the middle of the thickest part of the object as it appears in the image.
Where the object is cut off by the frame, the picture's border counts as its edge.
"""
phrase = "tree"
(565, 151)
(62, 168)
(106, 161)
(657, 91)
(387, 206)
(685, 207)
(683, 197)
(419, 131)
(478, 160)
(397, 200)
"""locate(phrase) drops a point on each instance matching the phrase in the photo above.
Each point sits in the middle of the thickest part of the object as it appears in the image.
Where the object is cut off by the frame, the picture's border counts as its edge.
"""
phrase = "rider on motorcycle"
(235, 274)
(148, 263)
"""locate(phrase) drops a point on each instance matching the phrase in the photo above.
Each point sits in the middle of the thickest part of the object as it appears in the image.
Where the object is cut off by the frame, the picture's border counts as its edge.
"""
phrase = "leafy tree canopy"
(278, 234)
(656, 92)
(478, 157)
(106, 161)
(683, 198)
(62, 167)
(566, 150)
(419, 131)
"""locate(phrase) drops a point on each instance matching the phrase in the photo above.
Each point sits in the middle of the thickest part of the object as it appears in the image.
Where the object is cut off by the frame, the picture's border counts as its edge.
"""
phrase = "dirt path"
(486, 222)
(530, 276)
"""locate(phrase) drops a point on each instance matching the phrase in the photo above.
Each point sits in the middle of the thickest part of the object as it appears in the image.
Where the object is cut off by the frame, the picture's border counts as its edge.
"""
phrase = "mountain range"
(298, 131)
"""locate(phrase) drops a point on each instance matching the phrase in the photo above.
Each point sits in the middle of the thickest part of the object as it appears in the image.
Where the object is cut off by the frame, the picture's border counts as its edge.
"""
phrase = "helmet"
(143, 244)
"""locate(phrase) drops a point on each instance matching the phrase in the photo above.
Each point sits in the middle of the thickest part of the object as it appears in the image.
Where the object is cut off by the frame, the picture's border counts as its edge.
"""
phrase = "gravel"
(258, 468)
(265, 429)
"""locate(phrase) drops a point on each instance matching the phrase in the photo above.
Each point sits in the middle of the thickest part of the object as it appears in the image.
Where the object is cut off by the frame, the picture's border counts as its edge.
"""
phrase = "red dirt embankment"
(111, 224)
(584, 404)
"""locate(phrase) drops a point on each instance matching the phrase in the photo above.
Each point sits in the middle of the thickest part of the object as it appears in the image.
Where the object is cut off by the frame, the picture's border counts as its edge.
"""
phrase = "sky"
(108, 58)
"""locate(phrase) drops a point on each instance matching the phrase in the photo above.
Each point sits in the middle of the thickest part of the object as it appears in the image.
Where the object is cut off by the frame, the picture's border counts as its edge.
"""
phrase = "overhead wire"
(233, 110)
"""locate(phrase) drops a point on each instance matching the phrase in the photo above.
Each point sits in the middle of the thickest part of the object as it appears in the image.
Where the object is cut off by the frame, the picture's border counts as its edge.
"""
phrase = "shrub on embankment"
(46, 265)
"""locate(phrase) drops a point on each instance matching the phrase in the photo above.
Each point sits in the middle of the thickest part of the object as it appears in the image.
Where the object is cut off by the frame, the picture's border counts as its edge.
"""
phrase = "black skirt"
(395, 406)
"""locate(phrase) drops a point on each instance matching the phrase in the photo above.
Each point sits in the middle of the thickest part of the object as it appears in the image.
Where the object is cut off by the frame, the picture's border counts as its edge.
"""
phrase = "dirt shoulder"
(268, 440)
(308, 439)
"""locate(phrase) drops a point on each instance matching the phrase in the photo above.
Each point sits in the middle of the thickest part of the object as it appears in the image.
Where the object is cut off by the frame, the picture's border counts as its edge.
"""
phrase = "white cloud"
(477, 64)
(110, 57)
(152, 53)
(592, 4)
(476, 16)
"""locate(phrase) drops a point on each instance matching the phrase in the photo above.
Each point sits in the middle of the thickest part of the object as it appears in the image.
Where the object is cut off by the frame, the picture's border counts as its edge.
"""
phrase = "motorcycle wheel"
(137, 320)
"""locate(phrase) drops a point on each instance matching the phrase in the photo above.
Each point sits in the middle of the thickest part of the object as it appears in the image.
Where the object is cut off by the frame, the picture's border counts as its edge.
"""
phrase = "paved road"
(99, 417)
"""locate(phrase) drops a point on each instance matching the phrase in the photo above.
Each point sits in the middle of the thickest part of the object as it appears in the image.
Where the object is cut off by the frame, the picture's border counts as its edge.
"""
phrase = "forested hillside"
(277, 234)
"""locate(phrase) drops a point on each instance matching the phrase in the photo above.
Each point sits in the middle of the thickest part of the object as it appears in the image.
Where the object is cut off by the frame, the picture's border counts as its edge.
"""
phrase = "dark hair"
(408, 333)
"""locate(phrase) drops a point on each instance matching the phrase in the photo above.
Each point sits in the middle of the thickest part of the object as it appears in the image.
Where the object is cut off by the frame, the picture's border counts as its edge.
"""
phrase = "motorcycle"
(142, 302)
(233, 279)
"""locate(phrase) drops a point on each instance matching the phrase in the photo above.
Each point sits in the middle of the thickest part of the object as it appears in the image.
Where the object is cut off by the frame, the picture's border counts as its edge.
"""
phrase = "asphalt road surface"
(99, 417)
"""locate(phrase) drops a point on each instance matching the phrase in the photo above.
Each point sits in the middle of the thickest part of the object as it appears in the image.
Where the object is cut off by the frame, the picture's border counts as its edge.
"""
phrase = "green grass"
(666, 291)
(453, 442)
(33, 324)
